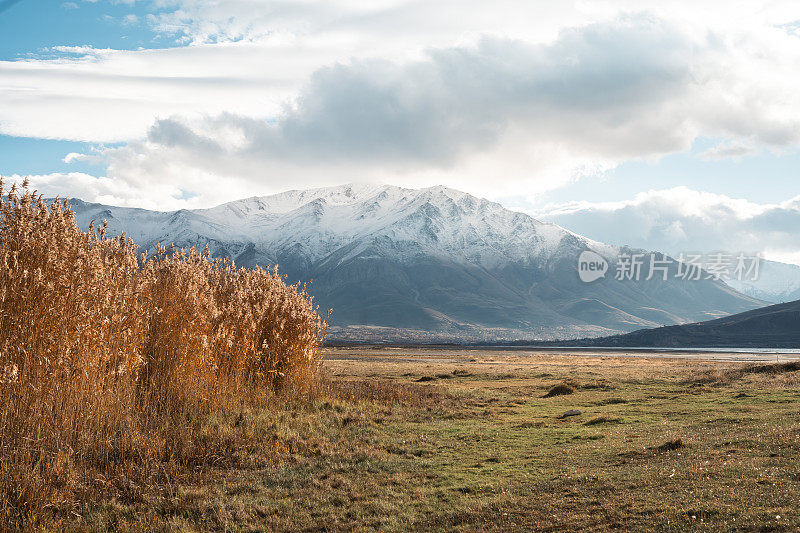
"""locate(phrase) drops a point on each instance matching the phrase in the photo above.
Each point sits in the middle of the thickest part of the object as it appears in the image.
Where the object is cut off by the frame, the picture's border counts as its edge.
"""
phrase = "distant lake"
(698, 350)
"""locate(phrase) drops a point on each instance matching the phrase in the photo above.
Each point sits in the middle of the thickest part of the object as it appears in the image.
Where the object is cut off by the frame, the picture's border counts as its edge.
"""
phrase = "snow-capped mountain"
(776, 282)
(317, 222)
(436, 261)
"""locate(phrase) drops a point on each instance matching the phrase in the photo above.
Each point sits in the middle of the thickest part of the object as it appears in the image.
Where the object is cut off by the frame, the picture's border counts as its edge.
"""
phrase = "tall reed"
(110, 359)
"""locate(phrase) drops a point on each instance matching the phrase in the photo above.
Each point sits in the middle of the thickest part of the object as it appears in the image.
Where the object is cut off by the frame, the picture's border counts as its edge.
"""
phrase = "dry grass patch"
(603, 419)
(381, 391)
(776, 374)
(561, 389)
(670, 445)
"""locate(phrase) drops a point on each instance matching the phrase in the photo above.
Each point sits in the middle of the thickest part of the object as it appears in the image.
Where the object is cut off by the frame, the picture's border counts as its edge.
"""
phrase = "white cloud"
(379, 26)
(101, 95)
(158, 195)
(728, 150)
(598, 95)
(250, 56)
(74, 156)
(384, 23)
(684, 220)
(496, 118)
(496, 98)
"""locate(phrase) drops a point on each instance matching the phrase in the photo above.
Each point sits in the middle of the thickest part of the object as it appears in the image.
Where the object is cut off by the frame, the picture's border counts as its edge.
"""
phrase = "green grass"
(491, 453)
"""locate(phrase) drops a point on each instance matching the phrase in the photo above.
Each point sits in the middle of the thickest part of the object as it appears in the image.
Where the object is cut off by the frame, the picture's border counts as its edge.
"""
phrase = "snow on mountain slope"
(776, 282)
(436, 261)
(440, 220)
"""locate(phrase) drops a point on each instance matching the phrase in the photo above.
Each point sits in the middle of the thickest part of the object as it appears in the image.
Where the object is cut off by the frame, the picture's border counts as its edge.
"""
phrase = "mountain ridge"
(774, 326)
(436, 261)
(776, 282)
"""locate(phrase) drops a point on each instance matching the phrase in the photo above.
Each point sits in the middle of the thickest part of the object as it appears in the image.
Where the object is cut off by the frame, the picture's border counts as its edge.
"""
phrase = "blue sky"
(30, 28)
(567, 110)
(25, 155)
(764, 177)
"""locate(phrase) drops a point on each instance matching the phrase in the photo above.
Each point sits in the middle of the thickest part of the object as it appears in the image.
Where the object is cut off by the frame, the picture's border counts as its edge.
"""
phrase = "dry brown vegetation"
(784, 373)
(559, 390)
(655, 448)
(175, 392)
(112, 363)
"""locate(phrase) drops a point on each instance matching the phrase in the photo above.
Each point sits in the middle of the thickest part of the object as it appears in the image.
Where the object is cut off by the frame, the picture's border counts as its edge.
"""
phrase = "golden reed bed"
(112, 361)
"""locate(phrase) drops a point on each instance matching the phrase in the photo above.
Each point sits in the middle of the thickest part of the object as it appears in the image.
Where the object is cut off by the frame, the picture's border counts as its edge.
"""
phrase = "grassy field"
(470, 440)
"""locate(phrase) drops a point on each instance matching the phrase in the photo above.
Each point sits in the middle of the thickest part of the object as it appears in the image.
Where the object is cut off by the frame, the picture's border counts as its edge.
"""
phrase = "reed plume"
(111, 359)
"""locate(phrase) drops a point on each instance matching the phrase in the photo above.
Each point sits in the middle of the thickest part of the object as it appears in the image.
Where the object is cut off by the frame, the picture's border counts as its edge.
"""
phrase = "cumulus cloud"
(535, 114)
(246, 56)
(684, 220)
(597, 95)
(495, 98)
(105, 190)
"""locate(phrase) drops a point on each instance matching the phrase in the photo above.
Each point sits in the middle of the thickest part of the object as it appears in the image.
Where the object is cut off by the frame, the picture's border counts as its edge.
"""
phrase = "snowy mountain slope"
(776, 283)
(431, 260)
(442, 221)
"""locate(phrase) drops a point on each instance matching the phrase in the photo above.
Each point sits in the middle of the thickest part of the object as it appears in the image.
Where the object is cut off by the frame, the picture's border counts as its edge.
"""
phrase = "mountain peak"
(436, 259)
(449, 222)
